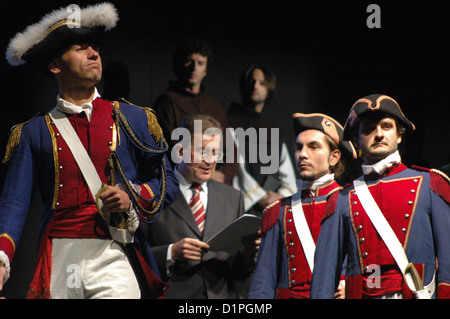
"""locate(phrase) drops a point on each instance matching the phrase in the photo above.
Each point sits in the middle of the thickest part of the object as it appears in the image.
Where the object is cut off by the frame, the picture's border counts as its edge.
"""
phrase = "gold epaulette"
(153, 125)
(14, 139)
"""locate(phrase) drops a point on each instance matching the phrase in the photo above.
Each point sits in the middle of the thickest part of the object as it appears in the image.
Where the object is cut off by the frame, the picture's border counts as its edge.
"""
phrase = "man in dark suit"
(179, 241)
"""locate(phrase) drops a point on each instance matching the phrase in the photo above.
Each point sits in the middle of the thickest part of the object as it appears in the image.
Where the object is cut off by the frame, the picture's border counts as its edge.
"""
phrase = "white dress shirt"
(186, 190)
(70, 108)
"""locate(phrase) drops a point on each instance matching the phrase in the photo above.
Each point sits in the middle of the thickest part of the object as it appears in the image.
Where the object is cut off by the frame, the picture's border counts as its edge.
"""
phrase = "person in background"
(257, 87)
(191, 63)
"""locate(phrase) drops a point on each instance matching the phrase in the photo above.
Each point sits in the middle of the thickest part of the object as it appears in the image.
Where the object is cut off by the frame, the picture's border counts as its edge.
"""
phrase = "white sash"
(87, 168)
(78, 151)
(303, 231)
(385, 231)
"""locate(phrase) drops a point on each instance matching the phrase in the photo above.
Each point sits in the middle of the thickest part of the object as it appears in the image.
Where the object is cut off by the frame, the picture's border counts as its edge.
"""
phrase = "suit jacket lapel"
(215, 202)
(180, 207)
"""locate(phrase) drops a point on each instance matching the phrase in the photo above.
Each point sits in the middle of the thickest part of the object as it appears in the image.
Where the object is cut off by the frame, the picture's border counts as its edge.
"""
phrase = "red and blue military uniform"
(282, 270)
(415, 202)
(41, 158)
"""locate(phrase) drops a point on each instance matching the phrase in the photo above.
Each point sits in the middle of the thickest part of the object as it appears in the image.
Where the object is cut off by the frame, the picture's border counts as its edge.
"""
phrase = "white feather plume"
(103, 14)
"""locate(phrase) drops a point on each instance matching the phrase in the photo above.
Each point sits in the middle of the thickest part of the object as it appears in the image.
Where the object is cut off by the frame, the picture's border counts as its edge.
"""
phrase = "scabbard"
(130, 251)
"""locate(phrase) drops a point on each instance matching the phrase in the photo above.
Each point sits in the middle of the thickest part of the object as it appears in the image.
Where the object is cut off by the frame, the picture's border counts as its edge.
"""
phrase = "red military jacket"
(415, 202)
(282, 270)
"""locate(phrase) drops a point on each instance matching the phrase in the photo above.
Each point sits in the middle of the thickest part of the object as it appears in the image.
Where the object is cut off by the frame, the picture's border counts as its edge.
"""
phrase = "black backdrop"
(324, 55)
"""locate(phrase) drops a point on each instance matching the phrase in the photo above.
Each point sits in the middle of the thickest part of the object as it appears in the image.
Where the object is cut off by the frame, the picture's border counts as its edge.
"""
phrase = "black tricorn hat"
(56, 31)
(325, 124)
(373, 104)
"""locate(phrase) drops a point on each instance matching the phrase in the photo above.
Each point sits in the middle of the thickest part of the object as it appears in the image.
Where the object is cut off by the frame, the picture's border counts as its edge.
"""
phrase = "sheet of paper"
(230, 238)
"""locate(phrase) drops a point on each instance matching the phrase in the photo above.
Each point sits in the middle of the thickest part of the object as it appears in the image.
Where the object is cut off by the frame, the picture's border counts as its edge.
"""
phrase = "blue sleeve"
(329, 259)
(145, 161)
(17, 190)
(264, 283)
(440, 211)
(171, 182)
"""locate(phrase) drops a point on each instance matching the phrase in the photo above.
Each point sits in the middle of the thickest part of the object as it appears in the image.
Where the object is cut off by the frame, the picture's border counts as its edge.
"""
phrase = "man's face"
(312, 155)
(203, 159)
(377, 138)
(195, 69)
(80, 64)
(259, 89)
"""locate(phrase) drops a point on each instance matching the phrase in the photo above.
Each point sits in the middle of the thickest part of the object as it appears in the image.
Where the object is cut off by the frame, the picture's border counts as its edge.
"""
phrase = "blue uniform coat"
(32, 163)
(416, 204)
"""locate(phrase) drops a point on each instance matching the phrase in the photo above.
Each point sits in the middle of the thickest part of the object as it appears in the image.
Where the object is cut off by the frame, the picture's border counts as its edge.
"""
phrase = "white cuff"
(169, 261)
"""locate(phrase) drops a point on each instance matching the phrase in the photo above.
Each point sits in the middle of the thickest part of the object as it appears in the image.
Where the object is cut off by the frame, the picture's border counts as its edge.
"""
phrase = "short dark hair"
(246, 81)
(185, 49)
(207, 122)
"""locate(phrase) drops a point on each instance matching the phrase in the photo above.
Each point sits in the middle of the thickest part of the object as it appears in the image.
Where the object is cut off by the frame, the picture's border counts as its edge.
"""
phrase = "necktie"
(197, 207)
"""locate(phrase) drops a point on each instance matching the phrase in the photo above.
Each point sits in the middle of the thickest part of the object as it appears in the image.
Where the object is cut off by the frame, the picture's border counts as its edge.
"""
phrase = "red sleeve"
(147, 195)
(331, 205)
(443, 290)
(440, 184)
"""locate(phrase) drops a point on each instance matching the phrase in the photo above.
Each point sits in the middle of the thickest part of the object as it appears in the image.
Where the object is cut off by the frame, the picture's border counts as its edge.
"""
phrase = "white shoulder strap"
(385, 231)
(78, 151)
(87, 168)
(303, 231)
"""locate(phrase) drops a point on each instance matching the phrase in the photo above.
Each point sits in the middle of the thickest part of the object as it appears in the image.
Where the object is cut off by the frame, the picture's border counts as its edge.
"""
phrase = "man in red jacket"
(291, 225)
(392, 223)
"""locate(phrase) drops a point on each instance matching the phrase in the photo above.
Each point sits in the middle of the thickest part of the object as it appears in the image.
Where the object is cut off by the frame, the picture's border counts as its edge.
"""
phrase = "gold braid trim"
(153, 125)
(119, 117)
(337, 189)
(5, 235)
(49, 122)
(115, 163)
(116, 122)
(13, 140)
(155, 207)
(271, 205)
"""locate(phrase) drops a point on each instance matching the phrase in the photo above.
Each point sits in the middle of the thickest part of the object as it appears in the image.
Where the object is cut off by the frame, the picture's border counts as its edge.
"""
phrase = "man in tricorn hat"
(291, 225)
(100, 167)
(392, 223)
